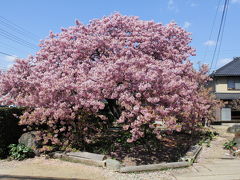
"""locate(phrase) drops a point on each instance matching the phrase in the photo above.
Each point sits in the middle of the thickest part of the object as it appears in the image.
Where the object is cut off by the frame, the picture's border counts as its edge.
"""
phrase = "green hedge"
(10, 131)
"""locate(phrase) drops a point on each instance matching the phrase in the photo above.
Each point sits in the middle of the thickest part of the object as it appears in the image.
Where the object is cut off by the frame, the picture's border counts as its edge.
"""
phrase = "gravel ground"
(42, 167)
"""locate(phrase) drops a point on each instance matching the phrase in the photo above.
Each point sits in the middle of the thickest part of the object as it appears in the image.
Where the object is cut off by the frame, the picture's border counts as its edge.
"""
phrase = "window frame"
(234, 81)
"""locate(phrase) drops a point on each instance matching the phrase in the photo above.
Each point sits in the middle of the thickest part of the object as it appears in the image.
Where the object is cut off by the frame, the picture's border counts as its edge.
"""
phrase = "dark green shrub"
(20, 152)
(206, 137)
(229, 145)
(10, 131)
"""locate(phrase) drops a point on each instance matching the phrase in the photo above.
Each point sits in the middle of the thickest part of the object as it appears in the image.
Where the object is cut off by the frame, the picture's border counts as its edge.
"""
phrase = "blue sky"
(196, 16)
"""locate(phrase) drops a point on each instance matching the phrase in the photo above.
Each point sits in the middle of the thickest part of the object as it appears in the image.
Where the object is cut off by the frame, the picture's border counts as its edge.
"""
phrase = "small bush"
(207, 136)
(211, 134)
(229, 145)
(20, 152)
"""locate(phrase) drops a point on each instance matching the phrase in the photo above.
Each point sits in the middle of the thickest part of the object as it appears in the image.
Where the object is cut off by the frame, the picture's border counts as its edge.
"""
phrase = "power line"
(225, 50)
(14, 27)
(213, 24)
(16, 39)
(10, 34)
(220, 30)
(16, 34)
(11, 48)
(7, 54)
(220, 44)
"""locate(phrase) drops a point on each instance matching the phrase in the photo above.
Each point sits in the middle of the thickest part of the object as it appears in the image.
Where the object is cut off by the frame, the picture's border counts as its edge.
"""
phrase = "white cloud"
(9, 58)
(186, 24)
(6, 61)
(235, 1)
(9, 66)
(223, 61)
(210, 43)
(193, 4)
(172, 6)
(170, 3)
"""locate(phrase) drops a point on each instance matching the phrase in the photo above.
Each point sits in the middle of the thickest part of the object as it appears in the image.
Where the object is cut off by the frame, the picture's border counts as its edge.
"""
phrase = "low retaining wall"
(189, 159)
(154, 167)
(114, 165)
(74, 159)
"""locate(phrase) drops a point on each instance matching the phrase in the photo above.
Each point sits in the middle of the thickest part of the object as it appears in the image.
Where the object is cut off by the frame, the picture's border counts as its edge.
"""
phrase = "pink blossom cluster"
(142, 65)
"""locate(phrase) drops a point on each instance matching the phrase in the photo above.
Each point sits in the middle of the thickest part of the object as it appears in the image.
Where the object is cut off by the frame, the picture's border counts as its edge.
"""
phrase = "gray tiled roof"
(227, 95)
(230, 69)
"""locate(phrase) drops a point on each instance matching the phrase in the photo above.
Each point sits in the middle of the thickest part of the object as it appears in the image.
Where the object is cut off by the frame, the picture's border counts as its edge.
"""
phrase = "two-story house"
(226, 86)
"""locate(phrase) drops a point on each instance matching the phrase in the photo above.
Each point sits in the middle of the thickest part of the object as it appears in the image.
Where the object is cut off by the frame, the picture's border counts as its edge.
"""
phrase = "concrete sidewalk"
(213, 170)
(214, 163)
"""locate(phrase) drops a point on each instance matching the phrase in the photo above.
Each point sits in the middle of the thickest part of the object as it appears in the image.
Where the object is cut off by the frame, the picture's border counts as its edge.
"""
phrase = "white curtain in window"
(237, 84)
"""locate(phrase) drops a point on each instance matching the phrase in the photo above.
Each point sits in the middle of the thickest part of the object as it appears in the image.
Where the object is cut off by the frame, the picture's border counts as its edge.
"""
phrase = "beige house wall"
(221, 86)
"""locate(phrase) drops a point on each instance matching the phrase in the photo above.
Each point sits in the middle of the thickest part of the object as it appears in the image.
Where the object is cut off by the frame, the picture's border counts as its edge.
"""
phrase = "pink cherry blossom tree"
(116, 69)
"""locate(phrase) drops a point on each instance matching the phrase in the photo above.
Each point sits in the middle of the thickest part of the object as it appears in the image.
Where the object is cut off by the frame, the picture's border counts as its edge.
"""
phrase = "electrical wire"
(14, 27)
(219, 31)
(17, 34)
(11, 48)
(220, 42)
(16, 39)
(211, 32)
(7, 54)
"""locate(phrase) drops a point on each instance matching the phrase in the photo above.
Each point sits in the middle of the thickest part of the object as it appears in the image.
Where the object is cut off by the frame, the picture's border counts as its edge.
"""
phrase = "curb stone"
(116, 166)
(193, 153)
(154, 167)
(74, 159)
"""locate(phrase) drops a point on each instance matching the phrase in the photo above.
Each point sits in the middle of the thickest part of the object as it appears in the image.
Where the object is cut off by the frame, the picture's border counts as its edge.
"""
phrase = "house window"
(234, 84)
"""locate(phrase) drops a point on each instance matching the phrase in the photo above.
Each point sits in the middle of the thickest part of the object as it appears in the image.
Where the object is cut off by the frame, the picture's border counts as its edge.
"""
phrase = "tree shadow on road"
(16, 177)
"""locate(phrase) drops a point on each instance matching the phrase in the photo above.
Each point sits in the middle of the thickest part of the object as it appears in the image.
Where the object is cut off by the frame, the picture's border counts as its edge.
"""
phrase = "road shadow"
(16, 177)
